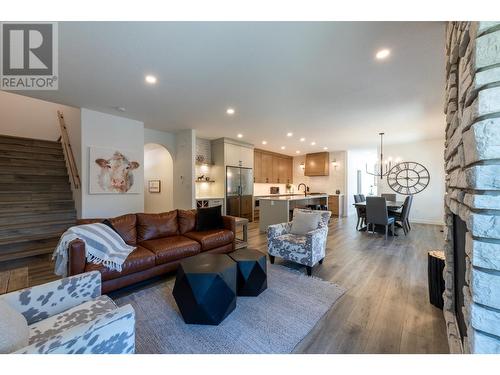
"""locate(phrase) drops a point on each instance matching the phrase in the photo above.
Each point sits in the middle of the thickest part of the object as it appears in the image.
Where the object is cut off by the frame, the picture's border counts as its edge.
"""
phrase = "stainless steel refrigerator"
(239, 192)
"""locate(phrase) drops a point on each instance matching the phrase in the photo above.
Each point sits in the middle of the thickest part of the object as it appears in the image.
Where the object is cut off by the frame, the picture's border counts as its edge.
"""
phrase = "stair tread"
(29, 141)
(36, 201)
(34, 237)
(37, 225)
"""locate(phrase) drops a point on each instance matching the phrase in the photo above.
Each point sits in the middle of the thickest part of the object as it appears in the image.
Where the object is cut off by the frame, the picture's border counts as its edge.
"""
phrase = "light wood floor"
(385, 308)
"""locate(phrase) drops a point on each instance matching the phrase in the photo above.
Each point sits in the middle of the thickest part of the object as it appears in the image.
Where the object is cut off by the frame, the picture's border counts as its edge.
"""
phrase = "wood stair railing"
(68, 152)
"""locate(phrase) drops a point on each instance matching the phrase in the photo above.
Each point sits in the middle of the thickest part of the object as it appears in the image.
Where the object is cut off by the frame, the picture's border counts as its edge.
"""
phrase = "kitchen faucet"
(306, 188)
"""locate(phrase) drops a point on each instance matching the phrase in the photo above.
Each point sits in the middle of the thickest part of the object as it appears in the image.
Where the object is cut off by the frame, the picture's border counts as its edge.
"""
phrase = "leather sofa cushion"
(138, 260)
(151, 226)
(125, 225)
(210, 239)
(172, 248)
(187, 220)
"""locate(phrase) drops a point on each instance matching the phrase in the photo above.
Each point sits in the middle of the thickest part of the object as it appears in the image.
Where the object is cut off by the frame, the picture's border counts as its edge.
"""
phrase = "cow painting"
(116, 173)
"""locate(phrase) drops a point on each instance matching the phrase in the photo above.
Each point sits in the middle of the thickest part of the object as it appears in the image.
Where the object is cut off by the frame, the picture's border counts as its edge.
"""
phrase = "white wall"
(357, 161)
(22, 116)
(165, 139)
(108, 131)
(184, 171)
(336, 180)
(263, 189)
(428, 205)
(158, 165)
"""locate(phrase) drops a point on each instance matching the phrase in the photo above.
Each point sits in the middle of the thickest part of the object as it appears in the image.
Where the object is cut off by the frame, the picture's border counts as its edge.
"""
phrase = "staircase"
(36, 202)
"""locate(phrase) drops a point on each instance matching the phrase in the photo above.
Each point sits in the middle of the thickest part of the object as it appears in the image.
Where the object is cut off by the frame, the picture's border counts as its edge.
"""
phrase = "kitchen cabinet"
(317, 164)
(238, 156)
(275, 178)
(257, 167)
(336, 204)
(272, 168)
(267, 168)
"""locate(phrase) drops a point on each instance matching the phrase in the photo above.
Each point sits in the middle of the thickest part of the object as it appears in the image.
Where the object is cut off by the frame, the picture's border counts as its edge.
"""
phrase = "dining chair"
(361, 212)
(376, 214)
(409, 209)
(357, 198)
(389, 197)
(402, 217)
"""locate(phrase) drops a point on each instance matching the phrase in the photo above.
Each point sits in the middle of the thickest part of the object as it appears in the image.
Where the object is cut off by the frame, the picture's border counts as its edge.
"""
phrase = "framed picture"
(154, 186)
(111, 171)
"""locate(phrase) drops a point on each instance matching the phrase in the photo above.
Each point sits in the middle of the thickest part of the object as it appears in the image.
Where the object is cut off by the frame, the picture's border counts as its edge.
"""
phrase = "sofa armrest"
(110, 333)
(77, 258)
(229, 223)
(316, 242)
(43, 301)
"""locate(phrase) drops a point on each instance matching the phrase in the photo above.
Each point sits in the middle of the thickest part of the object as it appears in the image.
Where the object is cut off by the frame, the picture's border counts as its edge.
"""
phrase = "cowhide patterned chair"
(71, 316)
(308, 249)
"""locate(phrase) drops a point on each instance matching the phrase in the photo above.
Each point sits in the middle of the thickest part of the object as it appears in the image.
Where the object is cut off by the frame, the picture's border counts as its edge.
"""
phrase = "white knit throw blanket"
(102, 246)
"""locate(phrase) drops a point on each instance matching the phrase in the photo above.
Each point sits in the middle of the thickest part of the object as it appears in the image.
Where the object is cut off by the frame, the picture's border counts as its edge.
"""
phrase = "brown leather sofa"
(162, 241)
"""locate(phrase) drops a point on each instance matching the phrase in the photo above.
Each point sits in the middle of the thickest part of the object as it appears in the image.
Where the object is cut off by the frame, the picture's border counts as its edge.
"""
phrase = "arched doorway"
(158, 166)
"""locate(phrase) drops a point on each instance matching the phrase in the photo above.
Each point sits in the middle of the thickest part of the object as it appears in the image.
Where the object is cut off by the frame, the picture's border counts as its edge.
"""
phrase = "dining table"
(391, 206)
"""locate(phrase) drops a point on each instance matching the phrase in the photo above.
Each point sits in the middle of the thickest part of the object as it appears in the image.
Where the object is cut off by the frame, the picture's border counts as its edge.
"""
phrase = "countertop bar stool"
(376, 214)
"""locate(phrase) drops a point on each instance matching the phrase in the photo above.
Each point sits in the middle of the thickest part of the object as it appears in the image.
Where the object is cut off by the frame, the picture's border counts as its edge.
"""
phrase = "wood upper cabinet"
(267, 168)
(257, 167)
(272, 168)
(317, 164)
(276, 170)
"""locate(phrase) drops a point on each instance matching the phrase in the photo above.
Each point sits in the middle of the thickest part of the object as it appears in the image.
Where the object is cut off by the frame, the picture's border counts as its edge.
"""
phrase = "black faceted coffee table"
(205, 288)
(252, 271)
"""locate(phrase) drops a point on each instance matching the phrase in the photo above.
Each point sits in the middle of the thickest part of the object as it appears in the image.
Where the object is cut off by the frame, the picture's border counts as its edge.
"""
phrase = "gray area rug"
(274, 322)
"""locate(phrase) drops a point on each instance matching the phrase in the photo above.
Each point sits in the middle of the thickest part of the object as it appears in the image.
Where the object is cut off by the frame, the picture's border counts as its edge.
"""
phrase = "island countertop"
(296, 197)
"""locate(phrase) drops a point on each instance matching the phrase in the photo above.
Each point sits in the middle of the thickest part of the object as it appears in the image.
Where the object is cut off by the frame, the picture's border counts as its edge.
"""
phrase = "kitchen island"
(275, 210)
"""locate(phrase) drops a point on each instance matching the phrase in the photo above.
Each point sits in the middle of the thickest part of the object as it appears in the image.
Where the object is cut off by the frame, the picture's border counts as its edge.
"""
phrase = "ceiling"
(319, 80)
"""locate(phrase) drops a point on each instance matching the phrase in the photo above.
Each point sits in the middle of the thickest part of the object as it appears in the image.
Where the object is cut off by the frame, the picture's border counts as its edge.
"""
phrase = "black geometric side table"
(205, 288)
(252, 271)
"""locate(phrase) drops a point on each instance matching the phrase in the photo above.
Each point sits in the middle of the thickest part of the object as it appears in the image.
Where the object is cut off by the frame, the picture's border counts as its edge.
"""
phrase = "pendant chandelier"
(382, 168)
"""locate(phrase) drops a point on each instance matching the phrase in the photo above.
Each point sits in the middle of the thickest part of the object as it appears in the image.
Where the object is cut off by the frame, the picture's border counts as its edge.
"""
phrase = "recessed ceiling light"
(289, 134)
(264, 142)
(230, 111)
(297, 152)
(302, 139)
(325, 148)
(240, 135)
(282, 147)
(120, 109)
(150, 79)
(382, 54)
(313, 143)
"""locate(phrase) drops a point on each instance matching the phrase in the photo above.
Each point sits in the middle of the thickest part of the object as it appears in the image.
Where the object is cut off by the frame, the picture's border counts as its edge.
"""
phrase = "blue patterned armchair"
(307, 250)
(71, 316)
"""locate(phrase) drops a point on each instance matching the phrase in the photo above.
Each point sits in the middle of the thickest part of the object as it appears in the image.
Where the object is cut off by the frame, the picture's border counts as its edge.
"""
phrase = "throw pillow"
(14, 331)
(108, 223)
(304, 222)
(209, 218)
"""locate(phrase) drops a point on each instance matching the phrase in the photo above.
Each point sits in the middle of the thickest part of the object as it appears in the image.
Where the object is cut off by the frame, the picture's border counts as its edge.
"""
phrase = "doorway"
(158, 179)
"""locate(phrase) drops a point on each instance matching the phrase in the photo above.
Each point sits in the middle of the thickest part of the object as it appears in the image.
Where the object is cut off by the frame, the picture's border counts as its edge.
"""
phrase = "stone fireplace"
(472, 201)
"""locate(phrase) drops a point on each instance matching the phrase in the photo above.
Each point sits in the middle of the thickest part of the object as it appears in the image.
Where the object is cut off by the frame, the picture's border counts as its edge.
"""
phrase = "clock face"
(408, 178)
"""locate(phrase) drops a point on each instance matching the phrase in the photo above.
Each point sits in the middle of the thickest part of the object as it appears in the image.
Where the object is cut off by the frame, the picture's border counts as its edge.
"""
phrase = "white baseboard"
(426, 221)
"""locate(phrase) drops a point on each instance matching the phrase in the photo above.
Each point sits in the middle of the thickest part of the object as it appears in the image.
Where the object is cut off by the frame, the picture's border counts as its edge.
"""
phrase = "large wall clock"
(408, 178)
